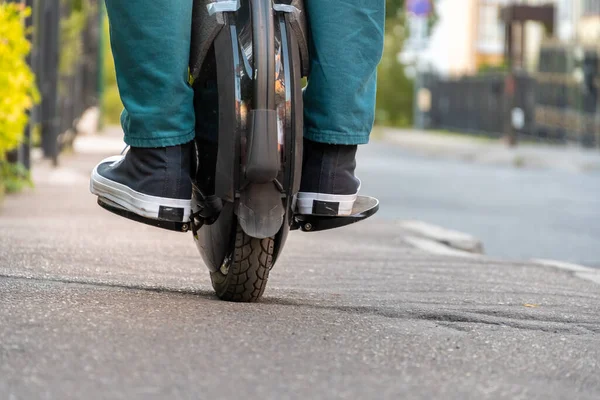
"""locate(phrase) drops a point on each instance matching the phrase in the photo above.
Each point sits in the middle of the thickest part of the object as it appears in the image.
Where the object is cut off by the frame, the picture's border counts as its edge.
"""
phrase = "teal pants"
(151, 41)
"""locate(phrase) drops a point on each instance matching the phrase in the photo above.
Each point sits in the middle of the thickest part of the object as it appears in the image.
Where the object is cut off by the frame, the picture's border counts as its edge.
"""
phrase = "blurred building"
(542, 64)
(470, 34)
(589, 22)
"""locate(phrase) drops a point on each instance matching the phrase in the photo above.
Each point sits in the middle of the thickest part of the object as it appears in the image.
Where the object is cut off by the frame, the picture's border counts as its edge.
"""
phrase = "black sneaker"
(328, 185)
(151, 182)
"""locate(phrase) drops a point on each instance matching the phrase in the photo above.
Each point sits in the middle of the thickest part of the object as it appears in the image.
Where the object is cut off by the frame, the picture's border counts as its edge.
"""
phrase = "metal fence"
(479, 104)
(557, 104)
(67, 87)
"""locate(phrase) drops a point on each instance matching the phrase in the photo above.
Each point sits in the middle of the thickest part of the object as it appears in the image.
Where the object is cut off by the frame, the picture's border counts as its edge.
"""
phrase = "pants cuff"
(161, 142)
(332, 137)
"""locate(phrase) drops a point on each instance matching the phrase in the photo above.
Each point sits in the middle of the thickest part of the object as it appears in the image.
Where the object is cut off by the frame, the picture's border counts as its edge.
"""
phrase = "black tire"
(244, 274)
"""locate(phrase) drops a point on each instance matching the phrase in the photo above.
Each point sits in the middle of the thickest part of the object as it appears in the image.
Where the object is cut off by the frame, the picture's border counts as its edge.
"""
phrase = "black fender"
(206, 25)
(268, 192)
(297, 18)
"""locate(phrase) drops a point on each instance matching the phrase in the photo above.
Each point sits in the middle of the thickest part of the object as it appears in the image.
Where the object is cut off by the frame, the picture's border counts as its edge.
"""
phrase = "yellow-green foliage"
(18, 92)
(71, 41)
(111, 106)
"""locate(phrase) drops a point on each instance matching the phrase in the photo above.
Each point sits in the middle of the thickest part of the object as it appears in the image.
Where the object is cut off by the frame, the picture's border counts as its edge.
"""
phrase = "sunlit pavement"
(93, 306)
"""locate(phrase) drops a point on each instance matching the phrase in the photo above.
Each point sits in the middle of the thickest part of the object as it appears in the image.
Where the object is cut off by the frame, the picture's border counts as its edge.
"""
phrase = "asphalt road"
(93, 306)
(519, 214)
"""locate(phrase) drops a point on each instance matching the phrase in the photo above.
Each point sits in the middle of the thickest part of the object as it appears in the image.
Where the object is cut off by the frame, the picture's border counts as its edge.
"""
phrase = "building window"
(591, 7)
(490, 34)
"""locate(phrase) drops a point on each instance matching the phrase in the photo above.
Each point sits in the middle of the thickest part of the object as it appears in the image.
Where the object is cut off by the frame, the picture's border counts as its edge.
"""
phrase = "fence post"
(48, 76)
(100, 61)
(25, 150)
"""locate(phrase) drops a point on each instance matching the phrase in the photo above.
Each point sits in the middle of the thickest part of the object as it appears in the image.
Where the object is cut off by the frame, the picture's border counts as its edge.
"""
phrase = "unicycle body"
(247, 61)
(247, 69)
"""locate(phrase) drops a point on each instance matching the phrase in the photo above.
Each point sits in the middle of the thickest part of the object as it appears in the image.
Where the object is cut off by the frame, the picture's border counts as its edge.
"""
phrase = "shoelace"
(125, 149)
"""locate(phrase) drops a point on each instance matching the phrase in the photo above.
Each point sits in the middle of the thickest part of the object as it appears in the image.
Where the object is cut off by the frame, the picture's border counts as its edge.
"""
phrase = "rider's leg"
(151, 44)
(339, 100)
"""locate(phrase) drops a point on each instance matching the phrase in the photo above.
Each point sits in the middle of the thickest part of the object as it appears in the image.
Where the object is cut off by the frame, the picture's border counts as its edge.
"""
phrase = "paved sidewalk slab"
(95, 306)
(494, 152)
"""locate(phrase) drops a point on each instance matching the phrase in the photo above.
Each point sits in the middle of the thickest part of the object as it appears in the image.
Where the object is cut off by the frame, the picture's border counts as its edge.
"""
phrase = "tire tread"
(248, 273)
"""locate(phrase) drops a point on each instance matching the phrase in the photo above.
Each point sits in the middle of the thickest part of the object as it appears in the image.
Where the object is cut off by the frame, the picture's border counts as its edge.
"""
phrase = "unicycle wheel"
(244, 274)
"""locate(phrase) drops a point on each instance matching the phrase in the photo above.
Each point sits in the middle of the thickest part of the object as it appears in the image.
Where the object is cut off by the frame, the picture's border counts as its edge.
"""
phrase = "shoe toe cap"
(107, 162)
(111, 159)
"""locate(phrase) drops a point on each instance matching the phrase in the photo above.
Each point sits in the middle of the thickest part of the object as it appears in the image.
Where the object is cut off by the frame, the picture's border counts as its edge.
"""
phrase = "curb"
(457, 242)
(434, 247)
(441, 241)
(580, 271)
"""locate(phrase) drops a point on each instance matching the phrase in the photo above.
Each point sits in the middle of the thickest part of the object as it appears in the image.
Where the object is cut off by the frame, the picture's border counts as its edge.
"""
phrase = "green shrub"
(394, 89)
(111, 102)
(18, 92)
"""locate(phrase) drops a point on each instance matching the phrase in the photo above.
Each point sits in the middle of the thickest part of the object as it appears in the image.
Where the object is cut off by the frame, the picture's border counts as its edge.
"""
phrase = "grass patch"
(519, 162)
(463, 135)
(13, 178)
(378, 133)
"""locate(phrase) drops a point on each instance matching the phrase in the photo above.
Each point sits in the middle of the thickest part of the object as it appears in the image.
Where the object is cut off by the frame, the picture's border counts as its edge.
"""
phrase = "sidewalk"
(96, 306)
(491, 151)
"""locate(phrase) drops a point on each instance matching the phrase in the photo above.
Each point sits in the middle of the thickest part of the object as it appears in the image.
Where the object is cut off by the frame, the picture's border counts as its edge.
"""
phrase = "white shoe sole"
(136, 202)
(329, 204)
